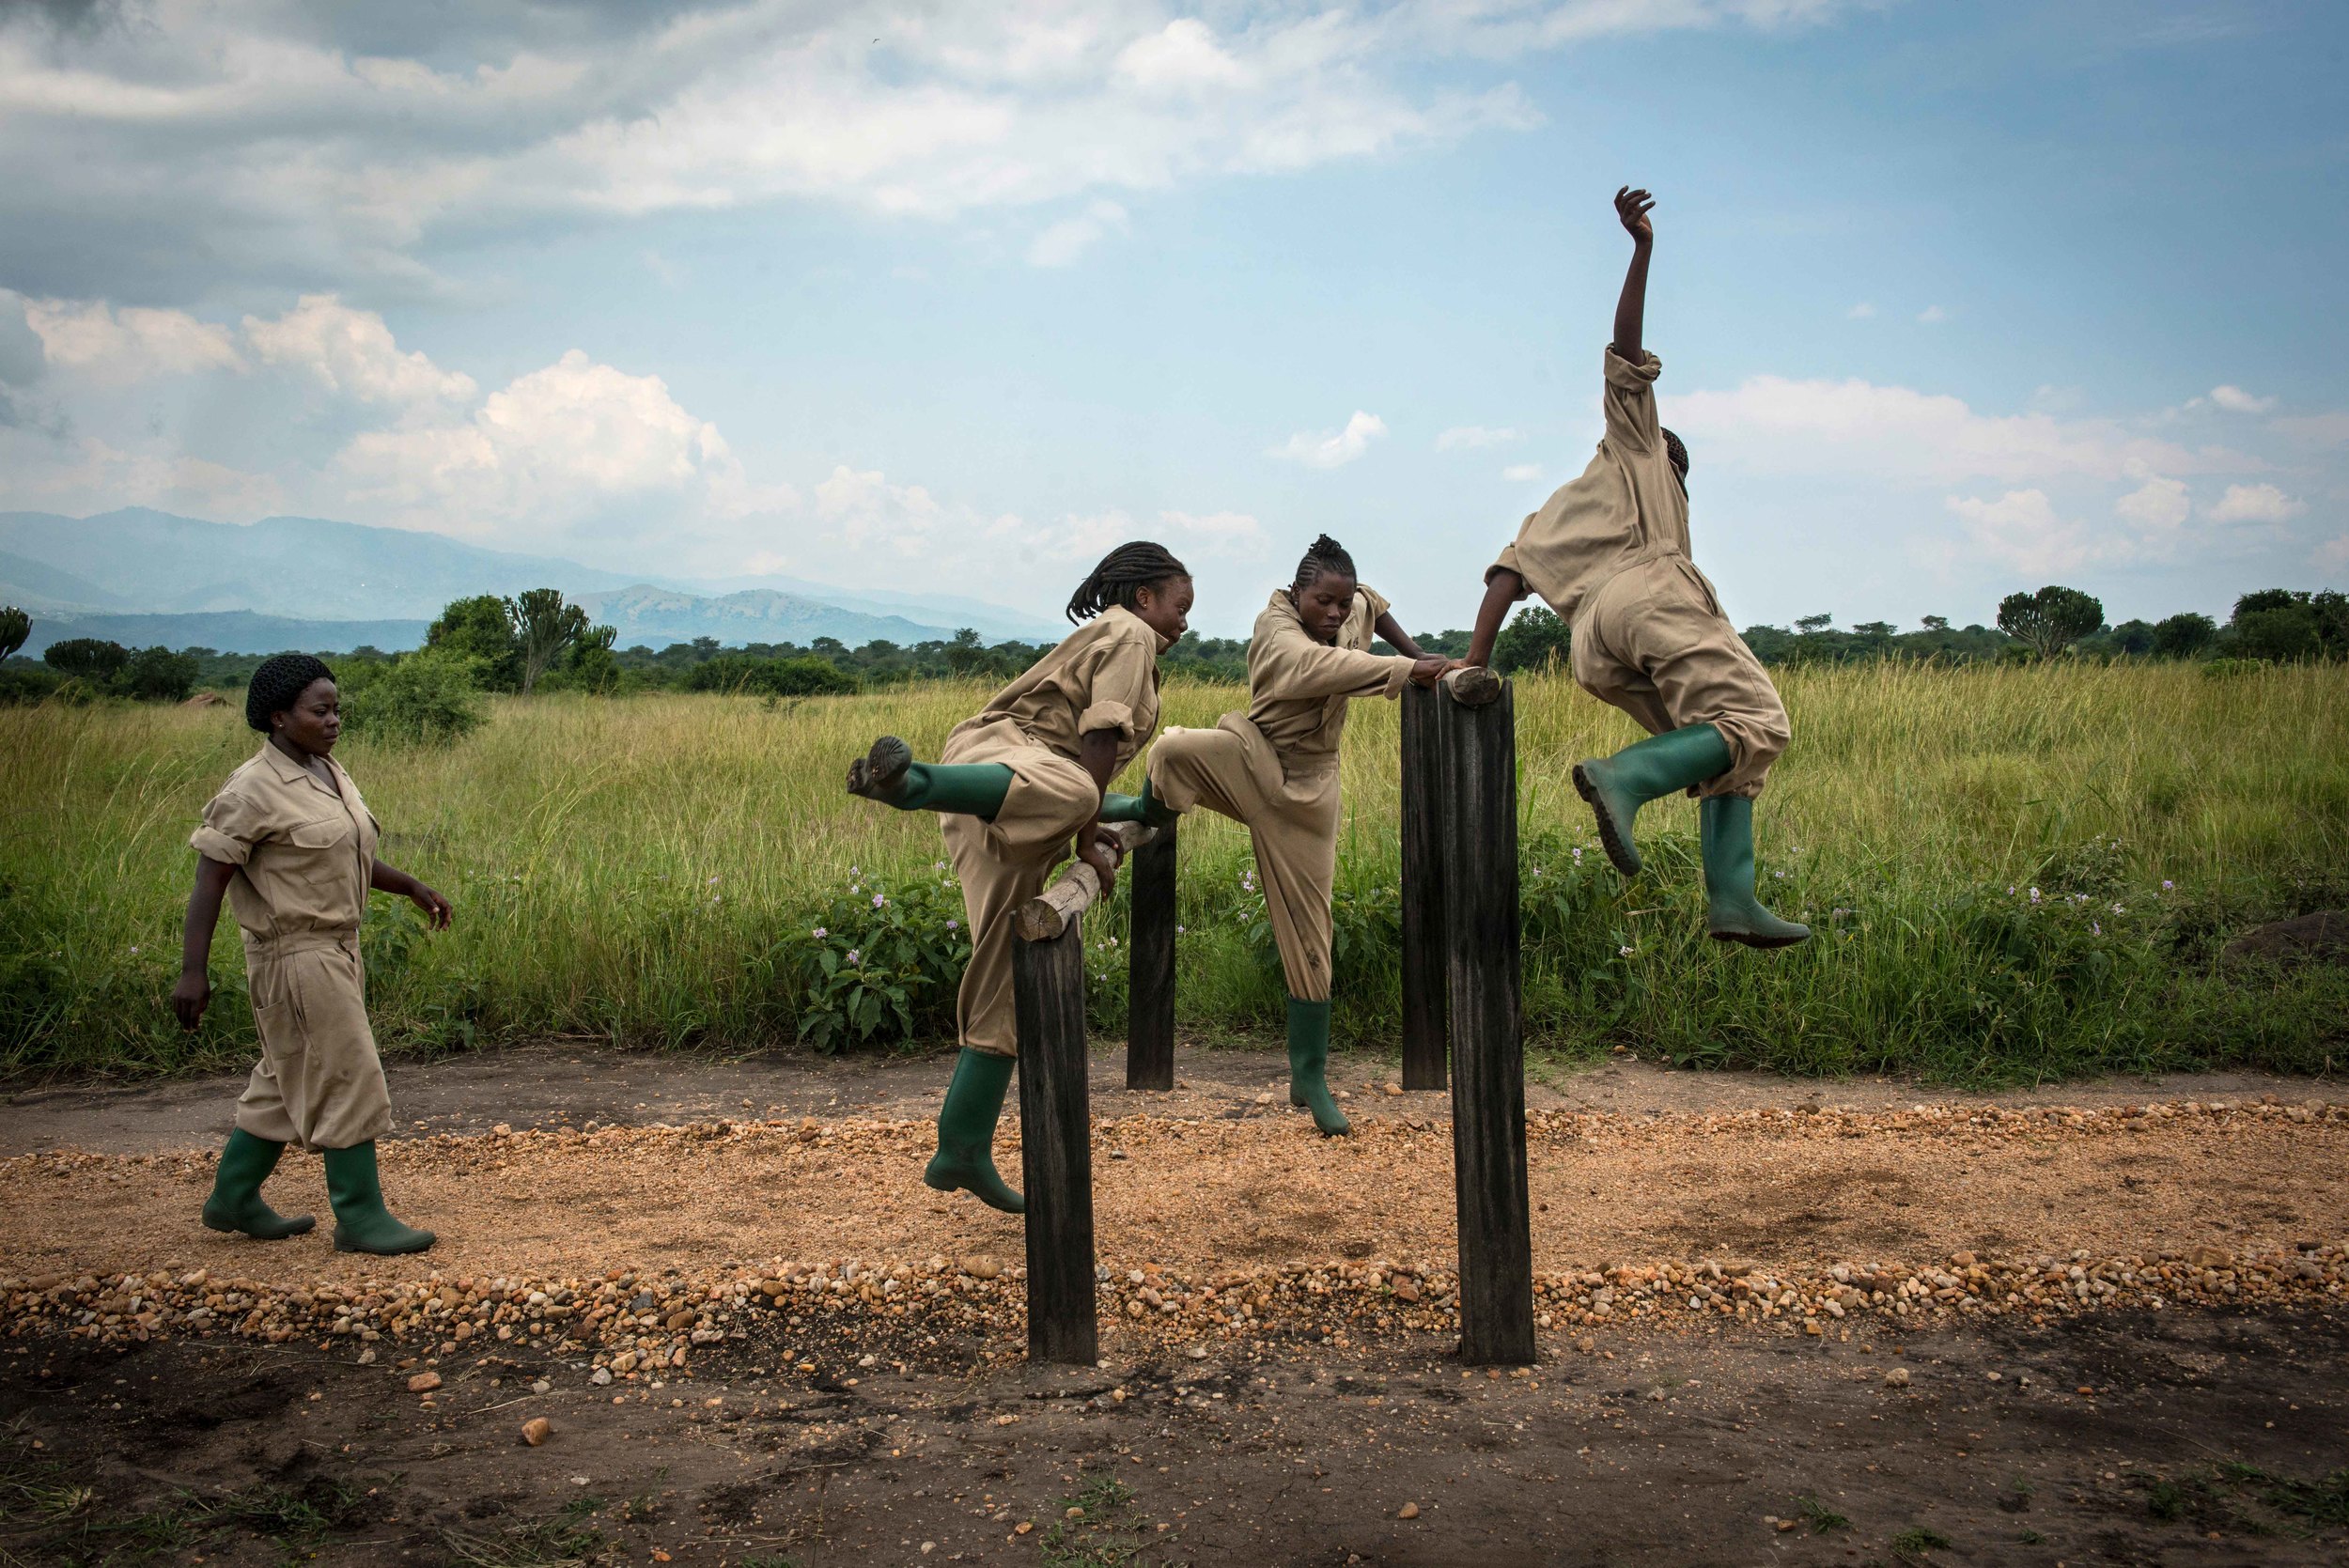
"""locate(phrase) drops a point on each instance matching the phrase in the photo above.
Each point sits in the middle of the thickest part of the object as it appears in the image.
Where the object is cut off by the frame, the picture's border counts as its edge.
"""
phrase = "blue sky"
(1952, 299)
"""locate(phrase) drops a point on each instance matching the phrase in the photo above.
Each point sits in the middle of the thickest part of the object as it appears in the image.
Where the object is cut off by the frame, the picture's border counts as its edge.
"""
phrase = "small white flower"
(2096, 928)
(879, 900)
(2168, 885)
(938, 866)
(820, 933)
(853, 956)
(711, 883)
(854, 871)
(1181, 931)
(2118, 910)
(1623, 951)
(2034, 895)
(953, 925)
(135, 950)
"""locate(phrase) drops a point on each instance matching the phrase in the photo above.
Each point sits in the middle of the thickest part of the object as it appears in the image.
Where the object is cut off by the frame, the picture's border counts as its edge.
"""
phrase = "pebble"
(1408, 1510)
(1896, 1378)
(538, 1430)
(423, 1382)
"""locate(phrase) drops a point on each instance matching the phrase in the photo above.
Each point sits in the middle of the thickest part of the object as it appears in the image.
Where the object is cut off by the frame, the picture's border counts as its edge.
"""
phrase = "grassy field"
(652, 872)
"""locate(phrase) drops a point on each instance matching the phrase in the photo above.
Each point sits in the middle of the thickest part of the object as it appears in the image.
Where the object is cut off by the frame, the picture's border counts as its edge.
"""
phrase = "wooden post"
(1480, 872)
(1425, 1036)
(1056, 1146)
(1150, 965)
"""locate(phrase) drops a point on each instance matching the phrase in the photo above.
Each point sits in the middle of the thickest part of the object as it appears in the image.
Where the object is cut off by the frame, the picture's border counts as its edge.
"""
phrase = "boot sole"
(947, 1183)
(301, 1226)
(1616, 841)
(424, 1245)
(1749, 939)
(880, 771)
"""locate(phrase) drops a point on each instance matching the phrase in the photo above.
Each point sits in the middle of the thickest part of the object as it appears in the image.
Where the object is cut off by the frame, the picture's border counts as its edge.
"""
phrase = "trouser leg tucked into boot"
(362, 1223)
(888, 774)
(1309, 1065)
(965, 1132)
(1619, 785)
(236, 1201)
(1736, 915)
(1143, 808)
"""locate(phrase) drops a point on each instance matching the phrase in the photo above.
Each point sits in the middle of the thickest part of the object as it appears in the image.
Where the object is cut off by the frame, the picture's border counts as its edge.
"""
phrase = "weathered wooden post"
(1150, 965)
(1478, 720)
(1048, 982)
(1425, 1035)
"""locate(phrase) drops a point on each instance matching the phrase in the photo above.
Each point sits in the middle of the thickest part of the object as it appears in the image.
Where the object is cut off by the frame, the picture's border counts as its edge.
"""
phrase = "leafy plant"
(881, 963)
(2050, 620)
(427, 699)
(15, 626)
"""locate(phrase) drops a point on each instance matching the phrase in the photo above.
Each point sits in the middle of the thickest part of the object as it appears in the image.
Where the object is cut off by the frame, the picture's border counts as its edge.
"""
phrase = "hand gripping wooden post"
(1477, 724)
(1048, 984)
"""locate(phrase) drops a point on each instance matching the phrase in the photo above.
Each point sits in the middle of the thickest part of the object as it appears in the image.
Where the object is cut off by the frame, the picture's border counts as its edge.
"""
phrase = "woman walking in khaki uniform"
(1275, 767)
(1610, 553)
(1016, 786)
(290, 842)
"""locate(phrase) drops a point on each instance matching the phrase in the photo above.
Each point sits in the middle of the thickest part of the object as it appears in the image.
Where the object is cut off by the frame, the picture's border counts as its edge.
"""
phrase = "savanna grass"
(649, 872)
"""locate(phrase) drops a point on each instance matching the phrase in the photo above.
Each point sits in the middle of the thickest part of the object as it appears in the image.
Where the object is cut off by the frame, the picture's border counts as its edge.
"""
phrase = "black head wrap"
(1123, 573)
(278, 684)
(1679, 456)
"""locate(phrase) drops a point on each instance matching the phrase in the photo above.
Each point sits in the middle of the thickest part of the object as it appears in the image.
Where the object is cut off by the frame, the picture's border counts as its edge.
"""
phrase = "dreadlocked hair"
(278, 684)
(1678, 454)
(1122, 575)
(1323, 556)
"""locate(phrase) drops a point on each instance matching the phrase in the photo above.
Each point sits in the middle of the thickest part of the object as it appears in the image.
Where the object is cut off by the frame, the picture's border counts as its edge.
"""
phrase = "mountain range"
(142, 577)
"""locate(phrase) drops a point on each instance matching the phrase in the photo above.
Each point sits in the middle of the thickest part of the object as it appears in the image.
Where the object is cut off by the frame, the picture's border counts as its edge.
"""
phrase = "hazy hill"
(659, 616)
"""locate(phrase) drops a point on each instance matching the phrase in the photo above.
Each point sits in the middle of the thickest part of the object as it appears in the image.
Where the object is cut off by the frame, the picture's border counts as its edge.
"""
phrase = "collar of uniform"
(289, 771)
(1119, 610)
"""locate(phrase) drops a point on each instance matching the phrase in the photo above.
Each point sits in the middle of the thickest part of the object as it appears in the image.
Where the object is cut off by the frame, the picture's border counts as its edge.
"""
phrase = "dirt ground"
(2183, 1433)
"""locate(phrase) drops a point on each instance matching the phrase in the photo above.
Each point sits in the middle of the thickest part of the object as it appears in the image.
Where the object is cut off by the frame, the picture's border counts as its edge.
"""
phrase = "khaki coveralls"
(1610, 553)
(1275, 767)
(305, 856)
(1104, 676)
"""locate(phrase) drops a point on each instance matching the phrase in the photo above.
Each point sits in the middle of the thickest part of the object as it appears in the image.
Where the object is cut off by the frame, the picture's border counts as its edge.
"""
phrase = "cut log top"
(1043, 918)
(1472, 686)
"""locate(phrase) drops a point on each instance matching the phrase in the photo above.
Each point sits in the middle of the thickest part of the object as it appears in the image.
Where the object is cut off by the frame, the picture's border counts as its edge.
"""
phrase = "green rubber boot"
(236, 1204)
(1308, 1067)
(362, 1223)
(1619, 785)
(888, 774)
(1142, 808)
(965, 1160)
(1736, 915)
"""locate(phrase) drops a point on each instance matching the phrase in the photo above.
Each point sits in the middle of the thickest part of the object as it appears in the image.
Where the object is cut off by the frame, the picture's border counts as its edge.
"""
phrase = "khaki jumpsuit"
(1610, 553)
(304, 855)
(1104, 676)
(1275, 767)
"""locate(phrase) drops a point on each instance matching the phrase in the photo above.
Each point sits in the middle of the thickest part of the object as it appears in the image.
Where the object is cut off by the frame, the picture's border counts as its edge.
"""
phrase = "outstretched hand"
(1632, 208)
(1428, 671)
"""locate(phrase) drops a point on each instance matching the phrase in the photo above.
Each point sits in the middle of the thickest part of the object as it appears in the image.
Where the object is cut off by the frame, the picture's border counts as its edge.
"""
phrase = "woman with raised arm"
(1275, 769)
(291, 844)
(1013, 788)
(1610, 553)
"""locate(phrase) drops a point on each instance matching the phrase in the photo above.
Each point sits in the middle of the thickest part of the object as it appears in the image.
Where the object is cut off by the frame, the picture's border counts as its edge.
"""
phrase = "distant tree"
(2131, 639)
(544, 627)
(1873, 631)
(15, 626)
(427, 698)
(2285, 632)
(158, 676)
(2050, 620)
(1812, 624)
(965, 655)
(482, 628)
(2267, 598)
(831, 647)
(1936, 623)
(88, 658)
(1532, 641)
(2183, 635)
(2331, 610)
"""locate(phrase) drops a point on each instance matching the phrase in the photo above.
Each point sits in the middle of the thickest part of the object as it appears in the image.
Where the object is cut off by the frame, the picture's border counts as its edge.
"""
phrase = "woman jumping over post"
(292, 846)
(1610, 553)
(1275, 767)
(1013, 787)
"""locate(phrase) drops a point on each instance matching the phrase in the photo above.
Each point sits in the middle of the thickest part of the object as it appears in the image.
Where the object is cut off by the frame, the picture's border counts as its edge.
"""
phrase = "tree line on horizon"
(541, 641)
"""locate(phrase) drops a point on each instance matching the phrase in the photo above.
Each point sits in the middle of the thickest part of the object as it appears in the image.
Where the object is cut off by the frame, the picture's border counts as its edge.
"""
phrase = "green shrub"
(426, 699)
(881, 963)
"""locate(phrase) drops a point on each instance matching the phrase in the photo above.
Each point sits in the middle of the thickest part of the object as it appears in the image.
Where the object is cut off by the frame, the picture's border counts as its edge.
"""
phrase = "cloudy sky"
(945, 297)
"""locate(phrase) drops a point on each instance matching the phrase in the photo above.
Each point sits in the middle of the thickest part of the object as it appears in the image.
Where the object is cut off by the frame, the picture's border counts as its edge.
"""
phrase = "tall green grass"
(640, 870)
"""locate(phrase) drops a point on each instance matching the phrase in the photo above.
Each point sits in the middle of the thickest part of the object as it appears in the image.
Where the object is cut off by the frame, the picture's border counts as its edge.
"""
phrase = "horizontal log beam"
(1472, 686)
(1043, 918)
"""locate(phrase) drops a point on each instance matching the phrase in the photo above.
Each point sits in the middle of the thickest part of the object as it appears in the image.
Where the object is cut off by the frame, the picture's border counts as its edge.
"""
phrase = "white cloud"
(2235, 400)
(1064, 241)
(1236, 534)
(1522, 473)
(1858, 430)
(2254, 504)
(1860, 311)
(351, 353)
(118, 346)
(2159, 504)
(1470, 437)
(2332, 554)
(2021, 531)
(1333, 451)
(1932, 316)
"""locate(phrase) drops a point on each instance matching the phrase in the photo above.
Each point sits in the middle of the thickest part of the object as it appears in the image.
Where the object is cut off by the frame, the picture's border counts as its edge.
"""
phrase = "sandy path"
(1781, 1188)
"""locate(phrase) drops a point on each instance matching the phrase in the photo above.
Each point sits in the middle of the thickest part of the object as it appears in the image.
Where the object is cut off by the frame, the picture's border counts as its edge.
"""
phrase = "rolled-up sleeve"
(1508, 562)
(1120, 687)
(1630, 401)
(233, 825)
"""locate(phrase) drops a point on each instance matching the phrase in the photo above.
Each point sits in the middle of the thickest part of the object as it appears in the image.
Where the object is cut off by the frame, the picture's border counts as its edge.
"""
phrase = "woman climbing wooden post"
(1275, 767)
(291, 844)
(1013, 788)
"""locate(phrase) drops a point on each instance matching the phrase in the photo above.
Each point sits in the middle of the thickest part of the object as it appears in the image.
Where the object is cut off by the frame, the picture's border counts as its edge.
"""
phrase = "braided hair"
(1323, 556)
(278, 684)
(1679, 456)
(1122, 575)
